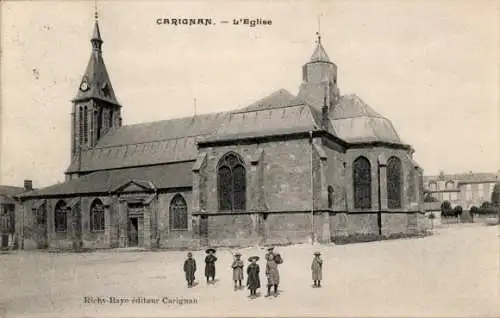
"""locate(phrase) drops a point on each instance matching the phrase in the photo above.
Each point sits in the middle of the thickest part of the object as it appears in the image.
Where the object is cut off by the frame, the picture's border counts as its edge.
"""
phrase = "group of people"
(272, 258)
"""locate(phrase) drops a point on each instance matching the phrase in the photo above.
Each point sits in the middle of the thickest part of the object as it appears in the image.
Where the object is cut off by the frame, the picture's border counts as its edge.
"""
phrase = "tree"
(446, 210)
(495, 195)
(485, 205)
(446, 205)
(473, 210)
(457, 211)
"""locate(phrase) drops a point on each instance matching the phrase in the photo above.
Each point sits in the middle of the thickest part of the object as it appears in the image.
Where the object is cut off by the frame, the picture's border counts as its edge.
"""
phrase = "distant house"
(465, 189)
(10, 207)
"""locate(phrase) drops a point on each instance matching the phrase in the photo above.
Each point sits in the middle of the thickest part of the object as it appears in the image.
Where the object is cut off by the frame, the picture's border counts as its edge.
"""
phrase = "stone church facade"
(286, 169)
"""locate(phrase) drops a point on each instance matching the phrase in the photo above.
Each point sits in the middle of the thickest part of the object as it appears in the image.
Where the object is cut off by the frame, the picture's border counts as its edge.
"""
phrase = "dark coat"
(210, 265)
(253, 279)
(190, 269)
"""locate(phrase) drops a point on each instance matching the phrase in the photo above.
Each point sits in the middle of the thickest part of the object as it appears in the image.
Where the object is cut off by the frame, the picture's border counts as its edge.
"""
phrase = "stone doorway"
(136, 224)
(133, 232)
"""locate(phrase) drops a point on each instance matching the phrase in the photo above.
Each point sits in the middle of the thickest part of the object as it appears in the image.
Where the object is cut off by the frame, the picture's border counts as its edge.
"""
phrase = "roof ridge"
(176, 118)
(147, 142)
(241, 111)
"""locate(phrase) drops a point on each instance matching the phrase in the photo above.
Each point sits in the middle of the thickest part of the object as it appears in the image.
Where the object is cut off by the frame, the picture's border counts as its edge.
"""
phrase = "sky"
(431, 67)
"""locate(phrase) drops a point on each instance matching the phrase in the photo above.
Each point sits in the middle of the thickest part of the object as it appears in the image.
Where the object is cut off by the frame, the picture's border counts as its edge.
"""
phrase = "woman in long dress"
(253, 279)
(210, 264)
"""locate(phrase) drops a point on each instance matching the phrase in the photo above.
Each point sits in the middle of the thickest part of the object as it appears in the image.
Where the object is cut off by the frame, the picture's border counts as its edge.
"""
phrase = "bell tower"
(319, 75)
(96, 110)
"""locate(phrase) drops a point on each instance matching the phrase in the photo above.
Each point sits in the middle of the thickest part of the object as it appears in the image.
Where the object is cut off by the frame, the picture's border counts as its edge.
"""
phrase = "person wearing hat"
(272, 272)
(189, 269)
(210, 264)
(237, 270)
(253, 279)
(270, 253)
(317, 269)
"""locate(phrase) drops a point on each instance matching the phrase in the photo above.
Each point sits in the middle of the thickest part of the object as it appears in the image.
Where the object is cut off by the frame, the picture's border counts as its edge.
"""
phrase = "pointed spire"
(96, 83)
(319, 54)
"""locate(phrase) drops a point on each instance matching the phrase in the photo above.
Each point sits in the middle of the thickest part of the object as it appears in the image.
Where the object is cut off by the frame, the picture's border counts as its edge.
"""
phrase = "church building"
(289, 168)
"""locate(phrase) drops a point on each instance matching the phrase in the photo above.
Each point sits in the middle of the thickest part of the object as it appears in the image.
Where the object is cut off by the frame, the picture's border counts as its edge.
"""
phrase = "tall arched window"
(178, 213)
(61, 217)
(449, 184)
(85, 125)
(80, 119)
(394, 181)
(41, 215)
(231, 183)
(97, 222)
(330, 197)
(362, 178)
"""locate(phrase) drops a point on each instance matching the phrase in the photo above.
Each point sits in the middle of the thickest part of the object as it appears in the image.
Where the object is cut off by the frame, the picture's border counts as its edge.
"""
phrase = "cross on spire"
(96, 14)
(319, 29)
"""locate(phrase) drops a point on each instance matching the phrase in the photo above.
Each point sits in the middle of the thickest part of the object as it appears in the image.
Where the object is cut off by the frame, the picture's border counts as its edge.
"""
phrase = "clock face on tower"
(84, 86)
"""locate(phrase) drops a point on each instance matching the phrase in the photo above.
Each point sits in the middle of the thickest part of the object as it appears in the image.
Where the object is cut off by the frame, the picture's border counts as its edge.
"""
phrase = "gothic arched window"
(85, 125)
(231, 183)
(449, 184)
(330, 197)
(80, 120)
(97, 222)
(394, 181)
(41, 215)
(178, 213)
(362, 179)
(61, 217)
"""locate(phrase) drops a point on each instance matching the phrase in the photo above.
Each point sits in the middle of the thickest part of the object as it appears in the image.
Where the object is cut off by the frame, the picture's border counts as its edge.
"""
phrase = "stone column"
(147, 228)
(140, 232)
(383, 187)
(108, 223)
(123, 226)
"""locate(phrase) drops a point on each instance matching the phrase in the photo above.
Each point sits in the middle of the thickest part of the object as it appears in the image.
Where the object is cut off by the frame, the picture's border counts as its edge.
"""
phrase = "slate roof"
(319, 54)
(176, 140)
(96, 75)
(10, 191)
(280, 98)
(354, 121)
(161, 176)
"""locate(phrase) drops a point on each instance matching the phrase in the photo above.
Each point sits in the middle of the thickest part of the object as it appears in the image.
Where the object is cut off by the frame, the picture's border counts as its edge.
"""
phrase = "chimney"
(28, 185)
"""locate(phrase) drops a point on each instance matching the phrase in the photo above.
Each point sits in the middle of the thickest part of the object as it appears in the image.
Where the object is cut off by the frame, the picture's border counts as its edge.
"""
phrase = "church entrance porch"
(136, 224)
(136, 231)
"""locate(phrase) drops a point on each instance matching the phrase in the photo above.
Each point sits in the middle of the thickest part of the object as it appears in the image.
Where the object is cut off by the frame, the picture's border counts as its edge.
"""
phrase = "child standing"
(253, 279)
(189, 269)
(317, 269)
(237, 270)
(210, 264)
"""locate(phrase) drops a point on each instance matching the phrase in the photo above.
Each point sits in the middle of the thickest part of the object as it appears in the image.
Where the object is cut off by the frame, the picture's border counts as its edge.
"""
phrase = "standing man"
(210, 264)
(272, 272)
(317, 269)
(190, 269)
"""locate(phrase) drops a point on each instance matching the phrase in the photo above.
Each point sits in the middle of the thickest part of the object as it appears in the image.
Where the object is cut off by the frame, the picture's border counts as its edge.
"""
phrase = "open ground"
(454, 273)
